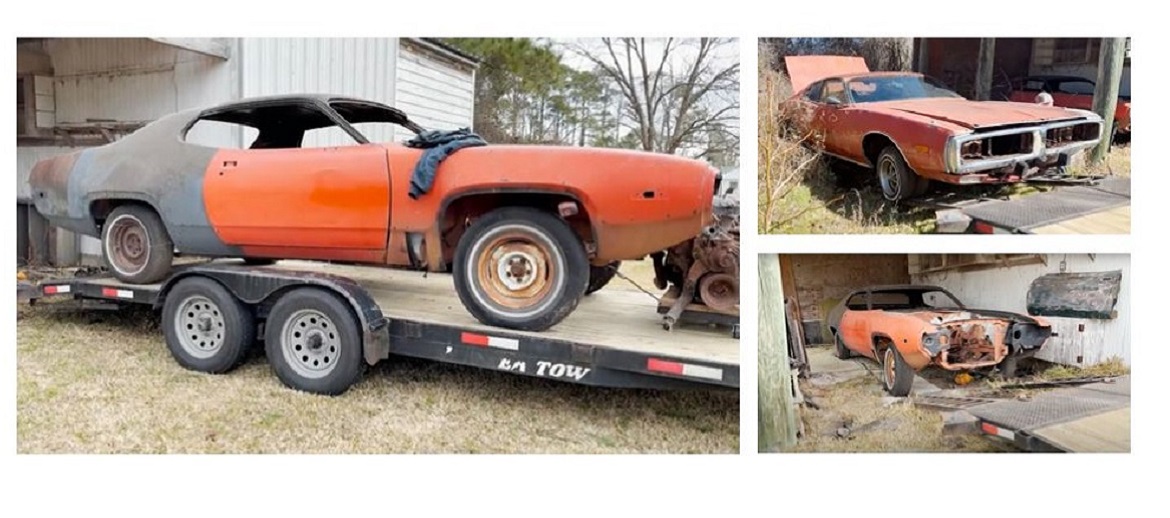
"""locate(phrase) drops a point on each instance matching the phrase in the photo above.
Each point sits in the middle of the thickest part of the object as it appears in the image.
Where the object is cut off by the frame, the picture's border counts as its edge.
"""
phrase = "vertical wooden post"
(985, 69)
(922, 66)
(1109, 70)
(777, 413)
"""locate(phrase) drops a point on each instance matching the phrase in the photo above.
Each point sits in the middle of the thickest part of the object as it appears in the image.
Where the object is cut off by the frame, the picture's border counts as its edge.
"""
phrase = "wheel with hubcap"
(520, 268)
(207, 329)
(897, 181)
(897, 375)
(313, 342)
(136, 246)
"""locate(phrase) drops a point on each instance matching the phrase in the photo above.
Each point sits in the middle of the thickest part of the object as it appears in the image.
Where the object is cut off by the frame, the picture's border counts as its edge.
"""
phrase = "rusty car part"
(1075, 295)
(703, 272)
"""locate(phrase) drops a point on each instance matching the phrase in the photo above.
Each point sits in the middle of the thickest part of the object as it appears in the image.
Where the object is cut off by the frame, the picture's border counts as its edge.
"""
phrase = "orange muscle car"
(519, 226)
(907, 328)
(1070, 92)
(911, 130)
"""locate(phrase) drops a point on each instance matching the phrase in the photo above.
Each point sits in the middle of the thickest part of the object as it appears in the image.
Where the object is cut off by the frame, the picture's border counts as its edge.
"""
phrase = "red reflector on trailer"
(989, 428)
(510, 344)
(664, 366)
(121, 294)
(55, 289)
(983, 228)
(684, 369)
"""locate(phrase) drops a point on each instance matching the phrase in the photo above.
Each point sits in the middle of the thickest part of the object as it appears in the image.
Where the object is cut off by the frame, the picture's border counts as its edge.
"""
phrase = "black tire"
(842, 352)
(313, 342)
(136, 246)
(259, 261)
(558, 290)
(900, 371)
(599, 276)
(895, 178)
(207, 329)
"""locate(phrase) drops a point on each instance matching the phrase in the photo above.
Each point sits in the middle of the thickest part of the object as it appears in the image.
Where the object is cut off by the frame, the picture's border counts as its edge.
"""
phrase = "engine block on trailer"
(702, 274)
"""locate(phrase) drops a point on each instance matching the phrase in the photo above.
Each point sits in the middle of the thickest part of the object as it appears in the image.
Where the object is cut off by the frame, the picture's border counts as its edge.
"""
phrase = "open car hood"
(978, 115)
(806, 70)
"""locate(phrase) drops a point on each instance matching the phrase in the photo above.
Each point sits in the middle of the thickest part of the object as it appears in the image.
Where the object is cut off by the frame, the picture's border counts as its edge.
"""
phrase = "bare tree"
(677, 92)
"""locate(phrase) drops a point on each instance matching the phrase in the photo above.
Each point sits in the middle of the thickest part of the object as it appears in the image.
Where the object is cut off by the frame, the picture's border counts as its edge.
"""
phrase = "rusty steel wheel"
(520, 268)
(135, 245)
(897, 375)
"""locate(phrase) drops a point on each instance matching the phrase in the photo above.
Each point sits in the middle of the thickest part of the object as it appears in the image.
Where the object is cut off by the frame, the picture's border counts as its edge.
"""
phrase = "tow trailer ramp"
(1096, 207)
(613, 339)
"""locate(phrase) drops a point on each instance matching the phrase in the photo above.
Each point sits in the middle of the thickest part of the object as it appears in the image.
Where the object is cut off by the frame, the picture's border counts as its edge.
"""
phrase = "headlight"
(951, 155)
(933, 342)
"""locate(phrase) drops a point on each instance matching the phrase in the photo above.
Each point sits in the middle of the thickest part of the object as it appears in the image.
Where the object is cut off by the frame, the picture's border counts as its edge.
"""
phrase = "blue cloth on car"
(438, 145)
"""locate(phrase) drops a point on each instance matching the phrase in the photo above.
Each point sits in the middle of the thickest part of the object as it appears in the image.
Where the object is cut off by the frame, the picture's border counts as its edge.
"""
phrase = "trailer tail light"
(981, 227)
(684, 369)
(510, 344)
(991, 429)
(119, 294)
(57, 288)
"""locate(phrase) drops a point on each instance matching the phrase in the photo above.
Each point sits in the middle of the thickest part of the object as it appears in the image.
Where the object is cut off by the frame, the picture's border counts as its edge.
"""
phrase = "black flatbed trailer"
(613, 339)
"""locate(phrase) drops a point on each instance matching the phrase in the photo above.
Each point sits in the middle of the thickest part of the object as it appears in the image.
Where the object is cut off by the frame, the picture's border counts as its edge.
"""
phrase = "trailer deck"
(1091, 418)
(1102, 207)
(614, 338)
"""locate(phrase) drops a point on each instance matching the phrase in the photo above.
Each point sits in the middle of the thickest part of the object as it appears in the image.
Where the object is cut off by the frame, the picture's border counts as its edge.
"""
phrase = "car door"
(313, 203)
(831, 114)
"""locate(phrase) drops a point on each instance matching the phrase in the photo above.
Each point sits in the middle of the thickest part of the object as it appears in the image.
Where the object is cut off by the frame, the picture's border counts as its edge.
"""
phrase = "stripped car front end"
(1019, 151)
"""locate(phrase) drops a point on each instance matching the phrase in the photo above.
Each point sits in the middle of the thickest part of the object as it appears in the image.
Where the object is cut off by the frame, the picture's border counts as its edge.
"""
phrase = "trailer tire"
(136, 246)
(546, 276)
(207, 329)
(895, 178)
(313, 342)
(599, 276)
(897, 375)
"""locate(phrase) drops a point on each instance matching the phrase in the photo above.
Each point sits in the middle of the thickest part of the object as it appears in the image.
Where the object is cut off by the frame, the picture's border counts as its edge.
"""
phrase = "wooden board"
(1102, 433)
(1112, 221)
(614, 319)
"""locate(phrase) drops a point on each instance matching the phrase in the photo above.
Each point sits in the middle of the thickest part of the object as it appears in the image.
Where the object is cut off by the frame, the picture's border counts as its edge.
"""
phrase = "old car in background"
(1070, 92)
(911, 130)
(519, 226)
(906, 328)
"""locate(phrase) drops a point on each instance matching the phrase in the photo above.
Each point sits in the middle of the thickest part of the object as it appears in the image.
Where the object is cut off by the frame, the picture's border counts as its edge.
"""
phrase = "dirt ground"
(100, 382)
(854, 415)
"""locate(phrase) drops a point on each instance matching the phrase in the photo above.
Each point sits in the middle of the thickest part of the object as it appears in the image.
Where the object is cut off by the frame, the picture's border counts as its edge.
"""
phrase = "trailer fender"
(260, 287)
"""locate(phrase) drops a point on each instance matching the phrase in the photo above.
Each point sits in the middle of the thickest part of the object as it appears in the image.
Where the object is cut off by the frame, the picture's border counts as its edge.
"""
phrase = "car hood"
(943, 316)
(978, 114)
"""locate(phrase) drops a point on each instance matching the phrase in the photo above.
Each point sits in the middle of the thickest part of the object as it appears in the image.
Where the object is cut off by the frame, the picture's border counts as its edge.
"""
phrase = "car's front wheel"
(136, 245)
(897, 375)
(897, 180)
(520, 268)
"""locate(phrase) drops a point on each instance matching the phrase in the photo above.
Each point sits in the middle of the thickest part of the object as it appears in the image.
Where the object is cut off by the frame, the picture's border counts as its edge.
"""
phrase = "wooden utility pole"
(777, 412)
(985, 69)
(922, 63)
(1109, 70)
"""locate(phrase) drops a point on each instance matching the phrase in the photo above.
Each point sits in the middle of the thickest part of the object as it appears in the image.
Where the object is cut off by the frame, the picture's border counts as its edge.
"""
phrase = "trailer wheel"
(599, 276)
(897, 181)
(136, 245)
(313, 342)
(207, 329)
(520, 268)
(897, 375)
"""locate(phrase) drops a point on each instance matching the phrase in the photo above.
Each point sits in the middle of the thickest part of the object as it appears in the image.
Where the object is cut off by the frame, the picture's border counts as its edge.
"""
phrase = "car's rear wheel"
(520, 268)
(599, 276)
(842, 352)
(896, 179)
(136, 246)
(897, 375)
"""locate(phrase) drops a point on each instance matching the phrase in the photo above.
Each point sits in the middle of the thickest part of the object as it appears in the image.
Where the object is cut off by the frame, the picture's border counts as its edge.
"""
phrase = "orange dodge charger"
(518, 226)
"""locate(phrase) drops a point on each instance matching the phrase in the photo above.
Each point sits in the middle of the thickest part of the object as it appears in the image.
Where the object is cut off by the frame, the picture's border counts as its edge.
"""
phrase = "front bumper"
(1042, 154)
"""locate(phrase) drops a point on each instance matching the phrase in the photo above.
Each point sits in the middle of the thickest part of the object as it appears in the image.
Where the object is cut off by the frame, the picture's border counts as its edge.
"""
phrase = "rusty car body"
(911, 130)
(1070, 92)
(907, 328)
(519, 226)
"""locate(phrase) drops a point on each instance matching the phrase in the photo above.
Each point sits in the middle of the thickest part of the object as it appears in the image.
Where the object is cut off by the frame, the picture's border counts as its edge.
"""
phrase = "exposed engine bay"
(701, 276)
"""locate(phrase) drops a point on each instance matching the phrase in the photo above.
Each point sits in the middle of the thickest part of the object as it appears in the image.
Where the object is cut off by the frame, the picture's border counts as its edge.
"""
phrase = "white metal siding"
(434, 92)
(132, 79)
(1007, 288)
(357, 67)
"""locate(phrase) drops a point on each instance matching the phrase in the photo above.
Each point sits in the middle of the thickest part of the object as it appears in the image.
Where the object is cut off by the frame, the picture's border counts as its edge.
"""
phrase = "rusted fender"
(1075, 295)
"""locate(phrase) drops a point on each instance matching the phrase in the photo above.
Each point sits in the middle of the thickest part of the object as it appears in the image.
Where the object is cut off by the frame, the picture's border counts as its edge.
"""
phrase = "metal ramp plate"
(951, 402)
(1052, 207)
(1056, 406)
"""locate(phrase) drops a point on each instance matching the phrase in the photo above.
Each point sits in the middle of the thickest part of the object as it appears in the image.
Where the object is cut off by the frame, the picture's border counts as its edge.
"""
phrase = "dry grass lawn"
(98, 382)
